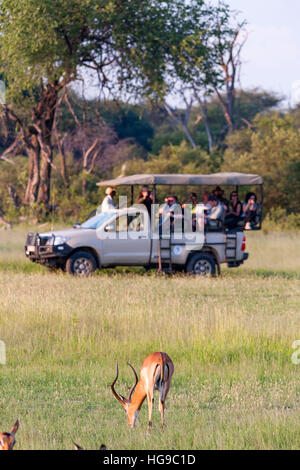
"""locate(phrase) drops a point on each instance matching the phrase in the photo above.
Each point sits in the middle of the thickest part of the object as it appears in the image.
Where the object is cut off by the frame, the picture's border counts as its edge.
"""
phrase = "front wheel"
(81, 264)
(201, 264)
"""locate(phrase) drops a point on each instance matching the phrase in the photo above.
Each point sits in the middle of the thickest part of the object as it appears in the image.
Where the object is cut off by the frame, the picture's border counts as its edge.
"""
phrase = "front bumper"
(37, 251)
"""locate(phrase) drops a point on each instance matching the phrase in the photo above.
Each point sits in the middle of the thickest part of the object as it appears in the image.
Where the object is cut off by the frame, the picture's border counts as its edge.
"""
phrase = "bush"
(278, 220)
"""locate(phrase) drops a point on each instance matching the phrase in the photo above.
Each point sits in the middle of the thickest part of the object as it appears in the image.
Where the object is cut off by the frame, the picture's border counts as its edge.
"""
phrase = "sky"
(271, 55)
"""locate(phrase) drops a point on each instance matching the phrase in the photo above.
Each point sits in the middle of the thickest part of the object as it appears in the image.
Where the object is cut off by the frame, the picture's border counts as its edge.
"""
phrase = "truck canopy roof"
(217, 179)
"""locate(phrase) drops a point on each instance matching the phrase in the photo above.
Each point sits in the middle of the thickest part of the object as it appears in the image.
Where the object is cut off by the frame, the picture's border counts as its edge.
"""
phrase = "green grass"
(230, 339)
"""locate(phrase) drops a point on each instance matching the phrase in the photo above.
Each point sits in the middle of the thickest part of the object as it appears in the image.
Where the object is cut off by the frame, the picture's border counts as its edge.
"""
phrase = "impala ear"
(15, 428)
(77, 447)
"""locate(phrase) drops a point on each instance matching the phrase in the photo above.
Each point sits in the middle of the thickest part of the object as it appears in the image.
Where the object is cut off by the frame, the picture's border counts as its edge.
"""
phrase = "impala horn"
(120, 398)
(136, 381)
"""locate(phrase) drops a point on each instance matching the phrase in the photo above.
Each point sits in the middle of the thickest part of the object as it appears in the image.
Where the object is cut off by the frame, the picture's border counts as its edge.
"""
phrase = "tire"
(81, 264)
(201, 264)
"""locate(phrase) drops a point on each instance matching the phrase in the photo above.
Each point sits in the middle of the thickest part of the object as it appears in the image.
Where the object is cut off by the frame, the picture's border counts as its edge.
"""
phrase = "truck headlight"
(60, 240)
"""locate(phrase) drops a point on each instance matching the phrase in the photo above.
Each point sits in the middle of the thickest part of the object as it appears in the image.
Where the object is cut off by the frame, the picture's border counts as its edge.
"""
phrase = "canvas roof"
(216, 179)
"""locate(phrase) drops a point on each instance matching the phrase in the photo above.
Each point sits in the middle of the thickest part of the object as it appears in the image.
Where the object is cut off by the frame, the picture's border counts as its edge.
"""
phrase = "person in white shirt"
(108, 203)
(216, 213)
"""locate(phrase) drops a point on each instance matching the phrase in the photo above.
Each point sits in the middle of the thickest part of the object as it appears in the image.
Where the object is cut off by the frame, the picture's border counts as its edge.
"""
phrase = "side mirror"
(110, 228)
(76, 225)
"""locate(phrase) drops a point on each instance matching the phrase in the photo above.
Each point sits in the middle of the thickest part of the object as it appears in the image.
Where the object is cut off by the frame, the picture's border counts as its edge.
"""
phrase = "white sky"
(271, 55)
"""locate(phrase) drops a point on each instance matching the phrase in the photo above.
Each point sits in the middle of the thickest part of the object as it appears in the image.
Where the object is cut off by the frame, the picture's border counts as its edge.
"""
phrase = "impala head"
(7, 439)
(131, 412)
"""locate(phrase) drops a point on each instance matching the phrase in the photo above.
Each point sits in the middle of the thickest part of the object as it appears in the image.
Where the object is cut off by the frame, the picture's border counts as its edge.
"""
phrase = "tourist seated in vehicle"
(216, 213)
(235, 211)
(250, 208)
(192, 200)
(219, 193)
(144, 198)
(205, 197)
(192, 204)
(170, 211)
(164, 207)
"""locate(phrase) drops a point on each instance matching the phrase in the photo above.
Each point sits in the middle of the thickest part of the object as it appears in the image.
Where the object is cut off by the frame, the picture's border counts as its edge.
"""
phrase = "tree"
(207, 60)
(45, 45)
(271, 148)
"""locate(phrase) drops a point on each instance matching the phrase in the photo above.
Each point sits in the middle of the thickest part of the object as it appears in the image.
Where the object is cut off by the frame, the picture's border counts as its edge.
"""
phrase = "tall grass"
(230, 339)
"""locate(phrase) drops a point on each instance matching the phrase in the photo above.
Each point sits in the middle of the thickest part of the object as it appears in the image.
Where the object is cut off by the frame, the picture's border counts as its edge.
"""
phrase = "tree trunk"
(202, 103)
(44, 115)
(227, 111)
(182, 123)
(32, 188)
(63, 166)
(45, 177)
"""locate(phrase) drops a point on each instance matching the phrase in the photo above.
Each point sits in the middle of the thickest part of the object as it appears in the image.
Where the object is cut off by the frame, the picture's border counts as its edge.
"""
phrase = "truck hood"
(71, 232)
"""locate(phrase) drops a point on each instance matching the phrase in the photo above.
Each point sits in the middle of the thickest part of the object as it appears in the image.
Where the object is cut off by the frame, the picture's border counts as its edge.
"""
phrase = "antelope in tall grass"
(156, 373)
(7, 439)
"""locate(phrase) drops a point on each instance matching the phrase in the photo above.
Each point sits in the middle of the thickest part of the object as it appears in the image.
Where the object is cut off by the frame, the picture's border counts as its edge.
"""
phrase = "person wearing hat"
(108, 203)
(219, 192)
(144, 198)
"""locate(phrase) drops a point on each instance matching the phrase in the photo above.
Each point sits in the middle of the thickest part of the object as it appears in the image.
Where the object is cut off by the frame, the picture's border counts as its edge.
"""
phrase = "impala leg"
(150, 399)
(162, 399)
(162, 411)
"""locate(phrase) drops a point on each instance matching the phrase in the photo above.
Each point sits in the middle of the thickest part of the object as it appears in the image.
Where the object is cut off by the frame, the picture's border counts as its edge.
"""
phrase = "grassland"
(230, 338)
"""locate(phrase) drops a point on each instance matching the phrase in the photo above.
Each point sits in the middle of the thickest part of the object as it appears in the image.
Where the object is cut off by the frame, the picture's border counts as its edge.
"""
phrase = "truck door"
(127, 241)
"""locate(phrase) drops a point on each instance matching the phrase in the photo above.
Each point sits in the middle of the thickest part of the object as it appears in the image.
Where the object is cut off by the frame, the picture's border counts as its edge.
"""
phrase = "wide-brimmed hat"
(219, 189)
(109, 191)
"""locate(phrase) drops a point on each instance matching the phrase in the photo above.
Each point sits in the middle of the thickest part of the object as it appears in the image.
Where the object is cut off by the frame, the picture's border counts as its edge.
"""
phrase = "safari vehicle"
(125, 237)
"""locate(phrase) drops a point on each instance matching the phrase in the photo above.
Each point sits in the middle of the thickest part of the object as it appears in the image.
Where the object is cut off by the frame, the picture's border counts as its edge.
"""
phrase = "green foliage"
(272, 150)
(174, 159)
(130, 122)
(15, 174)
(278, 220)
(249, 103)
(49, 41)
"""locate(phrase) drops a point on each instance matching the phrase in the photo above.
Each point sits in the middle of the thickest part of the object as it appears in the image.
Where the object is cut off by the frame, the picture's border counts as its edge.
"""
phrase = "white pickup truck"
(125, 237)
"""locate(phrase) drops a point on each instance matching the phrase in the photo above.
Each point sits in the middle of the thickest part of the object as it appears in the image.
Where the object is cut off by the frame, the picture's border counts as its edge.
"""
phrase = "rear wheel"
(81, 264)
(201, 264)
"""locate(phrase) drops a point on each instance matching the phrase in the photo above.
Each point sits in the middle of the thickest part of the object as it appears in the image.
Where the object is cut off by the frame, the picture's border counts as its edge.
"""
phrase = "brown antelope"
(156, 374)
(7, 439)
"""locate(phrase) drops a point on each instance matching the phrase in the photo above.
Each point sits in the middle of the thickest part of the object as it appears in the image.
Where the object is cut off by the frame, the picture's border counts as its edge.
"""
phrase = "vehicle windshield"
(97, 220)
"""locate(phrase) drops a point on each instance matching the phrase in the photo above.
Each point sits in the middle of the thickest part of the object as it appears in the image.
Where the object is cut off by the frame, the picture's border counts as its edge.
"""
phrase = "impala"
(156, 373)
(7, 439)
